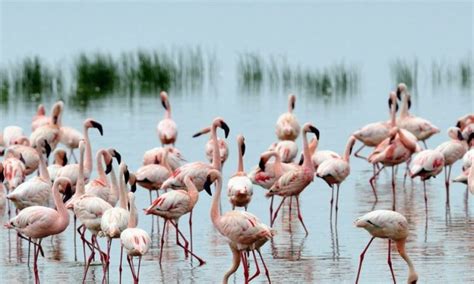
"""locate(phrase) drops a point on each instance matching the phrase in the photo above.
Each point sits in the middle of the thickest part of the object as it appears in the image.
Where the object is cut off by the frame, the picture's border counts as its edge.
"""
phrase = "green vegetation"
(405, 71)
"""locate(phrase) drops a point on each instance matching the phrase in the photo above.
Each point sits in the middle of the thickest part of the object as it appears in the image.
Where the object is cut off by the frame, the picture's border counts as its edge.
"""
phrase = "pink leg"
(337, 199)
(332, 201)
(393, 189)
(267, 273)
(191, 231)
(35, 261)
(356, 154)
(163, 240)
(291, 201)
(372, 181)
(389, 260)
(447, 175)
(245, 265)
(130, 263)
(276, 212)
(139, 264)
(256, 264)
(201, 262)
(362, 259)
(299, 213)
(186, 244)
(82, 235)
(271, 209)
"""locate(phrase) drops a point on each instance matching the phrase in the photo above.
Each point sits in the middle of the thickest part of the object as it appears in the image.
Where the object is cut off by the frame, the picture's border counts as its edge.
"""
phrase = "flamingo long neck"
(100, 167)
(347, 151)
(43, 170)
(114, 186)
(193, 193)
(88, 161)
(122, 192)
(408, 143)
(164, 161)
(80, 176)
(216, 157)
(403, 254)
(240, 165)
(277, 168)
(235, 264)
(132, 222)
(393, 113)
(308, 162)
(215, 212)
(404, 110)
(290, 104)
(168, 109)
(63, 214)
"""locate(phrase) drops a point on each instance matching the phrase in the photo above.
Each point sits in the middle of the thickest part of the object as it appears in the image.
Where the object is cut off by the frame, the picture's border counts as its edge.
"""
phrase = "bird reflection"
(334, 242)
(288, 249)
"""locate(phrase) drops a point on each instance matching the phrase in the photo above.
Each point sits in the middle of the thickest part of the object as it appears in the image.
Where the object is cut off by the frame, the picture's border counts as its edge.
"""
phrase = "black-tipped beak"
(197, 134)
(126, 175)
(314, 130)
(292, 105)
(301, 160)
(65, 160)
(67, 192)
(47, 148)
(226, 128)
(242, 148)
(97, 125)
(22, 159)
(261, 164)
(460, 137)
(458, 124)
(163, 104)
(409, 103)
(207, 185)
(108, 169)
(469, 139)
(2, 176)
(118, 157)
(399, 94)
(55, 119)
(133, 187)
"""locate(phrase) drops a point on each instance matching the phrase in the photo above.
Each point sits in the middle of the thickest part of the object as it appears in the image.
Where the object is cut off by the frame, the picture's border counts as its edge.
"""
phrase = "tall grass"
(404, 71)
(443, 72)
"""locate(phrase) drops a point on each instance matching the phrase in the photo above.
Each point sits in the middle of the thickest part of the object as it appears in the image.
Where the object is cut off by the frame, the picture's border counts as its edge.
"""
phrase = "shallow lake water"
(369, 36)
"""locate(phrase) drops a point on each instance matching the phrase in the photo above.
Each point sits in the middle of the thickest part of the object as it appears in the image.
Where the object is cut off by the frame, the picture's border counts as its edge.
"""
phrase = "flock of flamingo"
(105, 206)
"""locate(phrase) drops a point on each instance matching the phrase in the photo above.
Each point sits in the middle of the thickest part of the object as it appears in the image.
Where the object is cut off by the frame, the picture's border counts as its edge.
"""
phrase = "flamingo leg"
(389, 260)
(132, 270)
(356, 154)
(362, 259)
(393, 189)
(332, 201)
(406, 171)
(448, 177)
(372, 182)
(107, 260)
(179, 243)
(191, 231)
(245, 265)
(35, 261)
(267, 273)
(271, 209)
(120, 266)
(256, 264)
(75, 237)
(276, 212)
(138, 270)
(291, 201)
(201, 262)
(337, 199)
(424, 143)
(29, 249)
(163, 240)
(299, 213)
(36, 244)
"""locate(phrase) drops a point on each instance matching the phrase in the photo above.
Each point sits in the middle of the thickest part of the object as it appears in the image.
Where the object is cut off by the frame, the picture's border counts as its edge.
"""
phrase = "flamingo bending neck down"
(389, 225)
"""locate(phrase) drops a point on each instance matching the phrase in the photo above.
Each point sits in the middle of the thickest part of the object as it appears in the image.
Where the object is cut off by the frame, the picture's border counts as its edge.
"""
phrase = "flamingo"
(175, 158)
(420, 127)
(389, 225)
(71, 171)
(89, 209)
(373, 134)
(319, 156)
(12, 133)
(287, 149)
(452, 151)
(393, 151)
(152, 176)
(40, 118)
(467, 159)
(239, 186)
(243, 230)
(292, 183)
(49, 132)
(14, 169)
(287, 126)
(426, 164)
(38, 222)
(115, 220)
(29, 154)
(173, 205)
(465, 120)
(223, 147)
(198, 170)
(70, 138)
(166, 128)
(334, 171)
(37, 190)
(135, 240)
(60, 160)
(100, 186)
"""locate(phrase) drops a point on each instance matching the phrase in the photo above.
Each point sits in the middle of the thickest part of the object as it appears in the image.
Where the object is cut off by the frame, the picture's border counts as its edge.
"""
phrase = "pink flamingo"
(71, 171)
(287, 150)
(37, 190)
(38, 222)
(389, 225)
(287, 126)
(239, 186)
(244, 231)
(171, 206)
(51, 131)
(100, 186)
(29, 154)
(420, 127)
(115, 220)
(334, 171)
(40, 118)
(11, 134)
(465, 120)
(393, 151)
(223, 147)
(2, 190)
(294, 182)
(70, 137)
(175, 158)
(152, 176)
(135, 241)
(14, 169)
(60, 160)
(198, 170)
(426, 164)
(166, 128)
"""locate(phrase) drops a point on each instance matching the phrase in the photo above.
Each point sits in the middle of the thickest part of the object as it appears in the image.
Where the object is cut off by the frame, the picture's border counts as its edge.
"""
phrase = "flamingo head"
(57, 111)
(116, 155)
(108, 161)
(41, 110)
(164, 99)
(401, 88)
(392, 100)
(90, 123)
(308, 127)
(265, 157)
(132, 181)
(2, 176)
(219, 122)
(212, 176)
(455, 133)
(291, 102)
(60, 157)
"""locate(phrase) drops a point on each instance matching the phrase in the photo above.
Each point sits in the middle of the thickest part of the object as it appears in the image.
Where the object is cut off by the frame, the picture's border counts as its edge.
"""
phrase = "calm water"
(369, 36)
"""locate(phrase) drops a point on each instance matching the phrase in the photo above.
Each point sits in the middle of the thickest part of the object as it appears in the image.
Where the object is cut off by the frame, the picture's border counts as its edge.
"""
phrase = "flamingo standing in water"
(135, 241)
(292, 183)
(175, 158)
(60, 160)
(152, 176)
(335, 171)
(223, 147)
(420, 127)
(51, 131)
(287, 149)
(166, 128)
(243, 230)
(239, 186)
(38, 222)
(171, 206)
(389, 225)
(452, 151)
(72, 170)
(29, 154)
(100, 186)
(287, 126)
(14, 169)
(426, 164)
